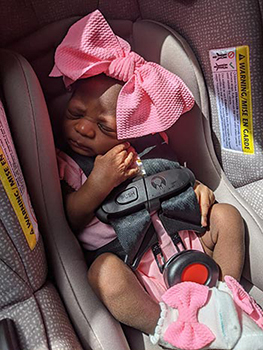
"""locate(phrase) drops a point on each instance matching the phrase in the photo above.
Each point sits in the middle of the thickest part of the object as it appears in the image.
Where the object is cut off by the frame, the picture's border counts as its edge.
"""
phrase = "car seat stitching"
(43, 320)
(16, 273)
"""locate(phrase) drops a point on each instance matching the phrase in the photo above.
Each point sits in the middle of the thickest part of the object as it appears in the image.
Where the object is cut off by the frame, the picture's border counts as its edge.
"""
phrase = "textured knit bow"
(152, 98)
(245, 301)
(187, 332)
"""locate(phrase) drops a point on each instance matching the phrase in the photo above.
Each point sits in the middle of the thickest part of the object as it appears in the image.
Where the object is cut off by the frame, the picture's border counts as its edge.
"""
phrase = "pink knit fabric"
(245, 301)
(187, 333)
(152, 98)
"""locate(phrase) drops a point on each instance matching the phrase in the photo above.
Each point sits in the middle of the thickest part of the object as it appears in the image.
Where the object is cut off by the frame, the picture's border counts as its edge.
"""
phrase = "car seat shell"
(26, 295)
(31, 129)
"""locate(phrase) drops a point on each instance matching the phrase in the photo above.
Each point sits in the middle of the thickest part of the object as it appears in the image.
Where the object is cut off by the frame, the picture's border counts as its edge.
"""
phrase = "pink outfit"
(97, 234)
(152, 98)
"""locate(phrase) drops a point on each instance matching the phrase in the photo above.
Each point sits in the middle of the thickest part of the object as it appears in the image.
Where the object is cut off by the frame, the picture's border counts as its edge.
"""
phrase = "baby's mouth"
(79, 145)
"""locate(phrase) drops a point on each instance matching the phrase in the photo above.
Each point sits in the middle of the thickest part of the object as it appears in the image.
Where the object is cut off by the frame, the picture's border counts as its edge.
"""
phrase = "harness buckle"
(144, 192)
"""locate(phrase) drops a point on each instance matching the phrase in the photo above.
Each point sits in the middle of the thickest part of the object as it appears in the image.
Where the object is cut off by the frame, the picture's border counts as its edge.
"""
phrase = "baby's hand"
(116, 166)
(206, 199)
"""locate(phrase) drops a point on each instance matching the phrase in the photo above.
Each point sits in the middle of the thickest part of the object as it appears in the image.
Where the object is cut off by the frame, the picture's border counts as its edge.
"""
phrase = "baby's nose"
(85, 128)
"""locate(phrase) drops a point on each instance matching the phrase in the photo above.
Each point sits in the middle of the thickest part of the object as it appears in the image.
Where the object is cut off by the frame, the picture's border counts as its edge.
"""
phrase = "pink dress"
(96, 234)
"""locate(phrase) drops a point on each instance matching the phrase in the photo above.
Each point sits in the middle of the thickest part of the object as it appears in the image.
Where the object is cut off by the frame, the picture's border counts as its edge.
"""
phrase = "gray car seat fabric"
(210, 25)
(33, 139)
(191, 139)
(26, 295)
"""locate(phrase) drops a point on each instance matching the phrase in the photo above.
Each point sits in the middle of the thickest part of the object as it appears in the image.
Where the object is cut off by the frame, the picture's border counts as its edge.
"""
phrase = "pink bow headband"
(152, 98)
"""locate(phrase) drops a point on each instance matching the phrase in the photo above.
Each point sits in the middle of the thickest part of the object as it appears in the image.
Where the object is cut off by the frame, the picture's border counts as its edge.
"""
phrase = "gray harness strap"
(131, 231)
(181, 212)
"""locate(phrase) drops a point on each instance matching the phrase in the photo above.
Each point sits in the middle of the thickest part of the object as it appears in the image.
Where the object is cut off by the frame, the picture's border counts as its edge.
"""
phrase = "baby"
(93, 127)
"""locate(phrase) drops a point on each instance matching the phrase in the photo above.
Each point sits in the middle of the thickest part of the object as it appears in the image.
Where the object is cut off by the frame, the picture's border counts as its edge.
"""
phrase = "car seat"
(29, 298)
(33, 138)
(32, 315)
(211, 25)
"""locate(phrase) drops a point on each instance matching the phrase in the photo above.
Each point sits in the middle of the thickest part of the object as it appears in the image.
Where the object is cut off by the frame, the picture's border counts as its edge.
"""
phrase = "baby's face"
(90, 119)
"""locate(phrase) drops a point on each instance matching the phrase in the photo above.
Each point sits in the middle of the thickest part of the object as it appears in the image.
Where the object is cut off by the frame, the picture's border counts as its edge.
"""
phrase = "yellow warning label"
(245, 101)
(16, 200)
(232, 86)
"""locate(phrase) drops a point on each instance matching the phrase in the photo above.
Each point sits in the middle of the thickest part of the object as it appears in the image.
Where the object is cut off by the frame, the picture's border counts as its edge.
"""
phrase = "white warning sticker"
(231, 77)
(13, 181)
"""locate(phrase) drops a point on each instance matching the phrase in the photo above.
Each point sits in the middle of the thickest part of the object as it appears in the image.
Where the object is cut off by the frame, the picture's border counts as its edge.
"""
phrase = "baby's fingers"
(132, 172)
(205, 204)
(129, 160)
(204, 207)
(120, 148)
(206, 199)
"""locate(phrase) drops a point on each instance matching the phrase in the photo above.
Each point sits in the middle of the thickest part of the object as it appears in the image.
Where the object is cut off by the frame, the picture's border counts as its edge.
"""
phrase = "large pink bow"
(151, 100)
(187, 332)
(245, 301)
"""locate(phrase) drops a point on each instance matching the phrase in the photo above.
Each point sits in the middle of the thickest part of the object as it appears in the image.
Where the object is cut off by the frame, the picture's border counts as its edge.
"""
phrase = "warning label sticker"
(13, 181)
(231, 77)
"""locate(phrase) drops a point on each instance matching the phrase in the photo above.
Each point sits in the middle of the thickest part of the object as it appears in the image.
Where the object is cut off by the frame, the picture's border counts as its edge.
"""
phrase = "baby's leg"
(121, 292)
(224, 239)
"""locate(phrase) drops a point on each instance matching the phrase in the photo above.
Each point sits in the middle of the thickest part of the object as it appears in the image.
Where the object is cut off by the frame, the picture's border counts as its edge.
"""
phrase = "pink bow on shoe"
(152, 98)
(245, 301)
(187, 332)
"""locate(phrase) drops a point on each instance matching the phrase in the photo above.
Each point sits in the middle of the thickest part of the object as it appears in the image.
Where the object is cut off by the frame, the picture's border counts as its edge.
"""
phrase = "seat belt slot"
(8, 335)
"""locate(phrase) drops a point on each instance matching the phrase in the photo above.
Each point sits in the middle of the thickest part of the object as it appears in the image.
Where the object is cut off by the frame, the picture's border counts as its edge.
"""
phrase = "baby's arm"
(206, 199)
(109, 171)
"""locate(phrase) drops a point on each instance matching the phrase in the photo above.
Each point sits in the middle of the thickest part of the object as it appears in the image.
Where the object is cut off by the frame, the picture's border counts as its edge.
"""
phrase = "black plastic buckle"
(144, 192)
(178, 240)
(158, 256)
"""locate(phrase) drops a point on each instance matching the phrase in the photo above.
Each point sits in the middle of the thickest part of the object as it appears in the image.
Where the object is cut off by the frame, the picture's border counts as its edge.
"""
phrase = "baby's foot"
(194, 316)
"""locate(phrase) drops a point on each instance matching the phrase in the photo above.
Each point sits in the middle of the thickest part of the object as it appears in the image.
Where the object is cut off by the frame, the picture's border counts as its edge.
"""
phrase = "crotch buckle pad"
(191, 266)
